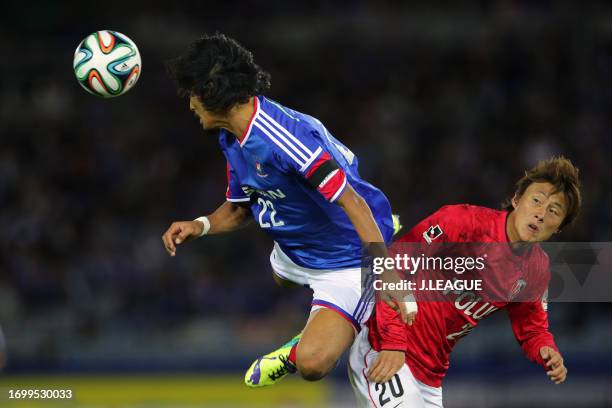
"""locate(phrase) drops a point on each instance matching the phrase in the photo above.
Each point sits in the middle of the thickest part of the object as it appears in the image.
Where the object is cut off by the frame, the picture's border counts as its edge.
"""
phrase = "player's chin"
(541, 237)
(533, 237)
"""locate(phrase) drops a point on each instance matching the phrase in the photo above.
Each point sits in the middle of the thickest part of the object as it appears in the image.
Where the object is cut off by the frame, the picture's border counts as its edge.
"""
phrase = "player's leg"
(326, 336)
(338, 308)
(314, 352)
(272, 367)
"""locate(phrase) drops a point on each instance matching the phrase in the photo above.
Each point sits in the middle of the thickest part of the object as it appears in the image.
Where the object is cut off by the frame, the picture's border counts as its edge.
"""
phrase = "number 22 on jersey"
(268, 208)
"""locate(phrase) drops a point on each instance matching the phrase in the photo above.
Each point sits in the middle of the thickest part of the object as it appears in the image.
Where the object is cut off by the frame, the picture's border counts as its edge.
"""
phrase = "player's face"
(538, 213)
(207, 119)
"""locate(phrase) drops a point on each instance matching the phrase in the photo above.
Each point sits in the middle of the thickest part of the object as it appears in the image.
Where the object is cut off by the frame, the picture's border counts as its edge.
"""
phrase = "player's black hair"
(563, 175)
(220, 71)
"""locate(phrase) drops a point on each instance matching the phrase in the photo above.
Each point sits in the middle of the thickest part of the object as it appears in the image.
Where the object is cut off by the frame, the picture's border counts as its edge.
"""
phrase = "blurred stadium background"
(444, 104)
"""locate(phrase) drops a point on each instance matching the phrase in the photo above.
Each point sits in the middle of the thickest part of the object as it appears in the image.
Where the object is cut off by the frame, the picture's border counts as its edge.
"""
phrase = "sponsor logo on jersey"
(516, 289)
(432, 233)
(272, 194)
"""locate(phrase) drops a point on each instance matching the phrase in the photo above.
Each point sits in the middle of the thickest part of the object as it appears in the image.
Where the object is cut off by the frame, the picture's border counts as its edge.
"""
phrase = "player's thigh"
(341, 292)
(326, 336)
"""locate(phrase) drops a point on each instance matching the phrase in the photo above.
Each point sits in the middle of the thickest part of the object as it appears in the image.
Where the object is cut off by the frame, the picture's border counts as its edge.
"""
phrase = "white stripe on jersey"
(292, 146)
(238, 200)
(286, 132)
(273, 126)
(309, 162)
(278, 143)
(328, 177)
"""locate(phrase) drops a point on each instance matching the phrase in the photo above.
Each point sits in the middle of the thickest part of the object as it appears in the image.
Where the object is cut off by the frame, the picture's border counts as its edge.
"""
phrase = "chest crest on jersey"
(259, 169)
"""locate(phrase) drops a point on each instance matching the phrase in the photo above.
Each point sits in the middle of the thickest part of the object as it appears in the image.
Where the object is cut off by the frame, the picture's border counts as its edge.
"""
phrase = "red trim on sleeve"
(322, 159)
(331, 186)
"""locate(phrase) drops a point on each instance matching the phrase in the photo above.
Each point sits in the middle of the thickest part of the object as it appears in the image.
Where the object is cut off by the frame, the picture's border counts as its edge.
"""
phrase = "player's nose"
(539, 216)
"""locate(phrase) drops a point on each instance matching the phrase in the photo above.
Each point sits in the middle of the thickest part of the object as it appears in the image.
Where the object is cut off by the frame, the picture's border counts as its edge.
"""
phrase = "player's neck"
(239, 117)
(511, 232)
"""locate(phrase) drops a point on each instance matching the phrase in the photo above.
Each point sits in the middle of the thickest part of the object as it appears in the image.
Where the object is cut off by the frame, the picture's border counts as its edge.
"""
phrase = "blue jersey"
(291, 170)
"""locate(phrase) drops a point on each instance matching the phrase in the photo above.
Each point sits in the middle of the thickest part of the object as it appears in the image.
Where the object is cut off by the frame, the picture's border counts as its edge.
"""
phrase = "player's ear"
(514, 201)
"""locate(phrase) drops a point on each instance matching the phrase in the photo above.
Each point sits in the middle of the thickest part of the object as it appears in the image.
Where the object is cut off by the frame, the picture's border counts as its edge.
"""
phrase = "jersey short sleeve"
(300, 150)
(234, 191)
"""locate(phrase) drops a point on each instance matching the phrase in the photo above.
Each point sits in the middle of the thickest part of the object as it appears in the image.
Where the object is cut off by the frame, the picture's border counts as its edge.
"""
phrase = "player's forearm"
(392, 330)
(530, 326)
(531, 347)
(229, 217)
(361, 216)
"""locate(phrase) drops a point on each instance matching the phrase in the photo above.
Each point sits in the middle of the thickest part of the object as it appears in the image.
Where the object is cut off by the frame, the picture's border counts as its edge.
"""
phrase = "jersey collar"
(247, 131)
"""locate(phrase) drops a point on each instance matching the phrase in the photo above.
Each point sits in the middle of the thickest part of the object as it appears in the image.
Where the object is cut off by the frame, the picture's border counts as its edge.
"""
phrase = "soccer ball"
(107, 63)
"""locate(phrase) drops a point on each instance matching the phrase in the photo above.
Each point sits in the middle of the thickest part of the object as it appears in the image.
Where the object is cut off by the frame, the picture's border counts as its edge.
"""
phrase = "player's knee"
(312, 370)
(314, 367)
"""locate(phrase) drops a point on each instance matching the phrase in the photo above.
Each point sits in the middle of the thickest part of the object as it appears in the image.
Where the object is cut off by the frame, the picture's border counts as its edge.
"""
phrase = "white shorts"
(339, 290)
(402, 391)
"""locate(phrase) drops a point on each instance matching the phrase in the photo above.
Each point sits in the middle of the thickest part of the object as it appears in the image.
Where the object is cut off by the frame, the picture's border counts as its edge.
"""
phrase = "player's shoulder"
(468, 210)
(293, 121)
(291, 136)
(478, 223)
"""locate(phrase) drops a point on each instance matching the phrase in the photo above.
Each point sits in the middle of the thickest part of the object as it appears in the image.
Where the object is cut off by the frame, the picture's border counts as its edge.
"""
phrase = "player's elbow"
(240, 212)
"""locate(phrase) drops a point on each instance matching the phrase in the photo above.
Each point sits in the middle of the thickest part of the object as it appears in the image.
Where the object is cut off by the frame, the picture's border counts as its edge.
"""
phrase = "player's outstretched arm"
(361, 216)
(228, 217)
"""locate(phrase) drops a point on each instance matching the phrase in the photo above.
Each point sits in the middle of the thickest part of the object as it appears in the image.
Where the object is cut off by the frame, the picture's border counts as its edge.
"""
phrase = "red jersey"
(439, 325)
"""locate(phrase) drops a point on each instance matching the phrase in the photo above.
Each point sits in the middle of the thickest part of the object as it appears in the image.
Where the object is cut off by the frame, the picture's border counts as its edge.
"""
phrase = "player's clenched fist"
(555, 369)
(179, 232)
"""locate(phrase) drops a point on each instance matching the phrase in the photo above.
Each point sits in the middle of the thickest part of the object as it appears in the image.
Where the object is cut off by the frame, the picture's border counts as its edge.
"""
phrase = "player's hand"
(555, 369)
(402, 301)
(180, 232)
(386, 365)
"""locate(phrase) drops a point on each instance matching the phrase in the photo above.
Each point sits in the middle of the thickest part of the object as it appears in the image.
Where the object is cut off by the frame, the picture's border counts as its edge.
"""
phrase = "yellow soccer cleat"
(271, 368)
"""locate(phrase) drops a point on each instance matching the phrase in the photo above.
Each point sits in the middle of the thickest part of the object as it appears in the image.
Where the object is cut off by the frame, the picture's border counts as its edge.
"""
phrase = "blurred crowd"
(440, 105)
